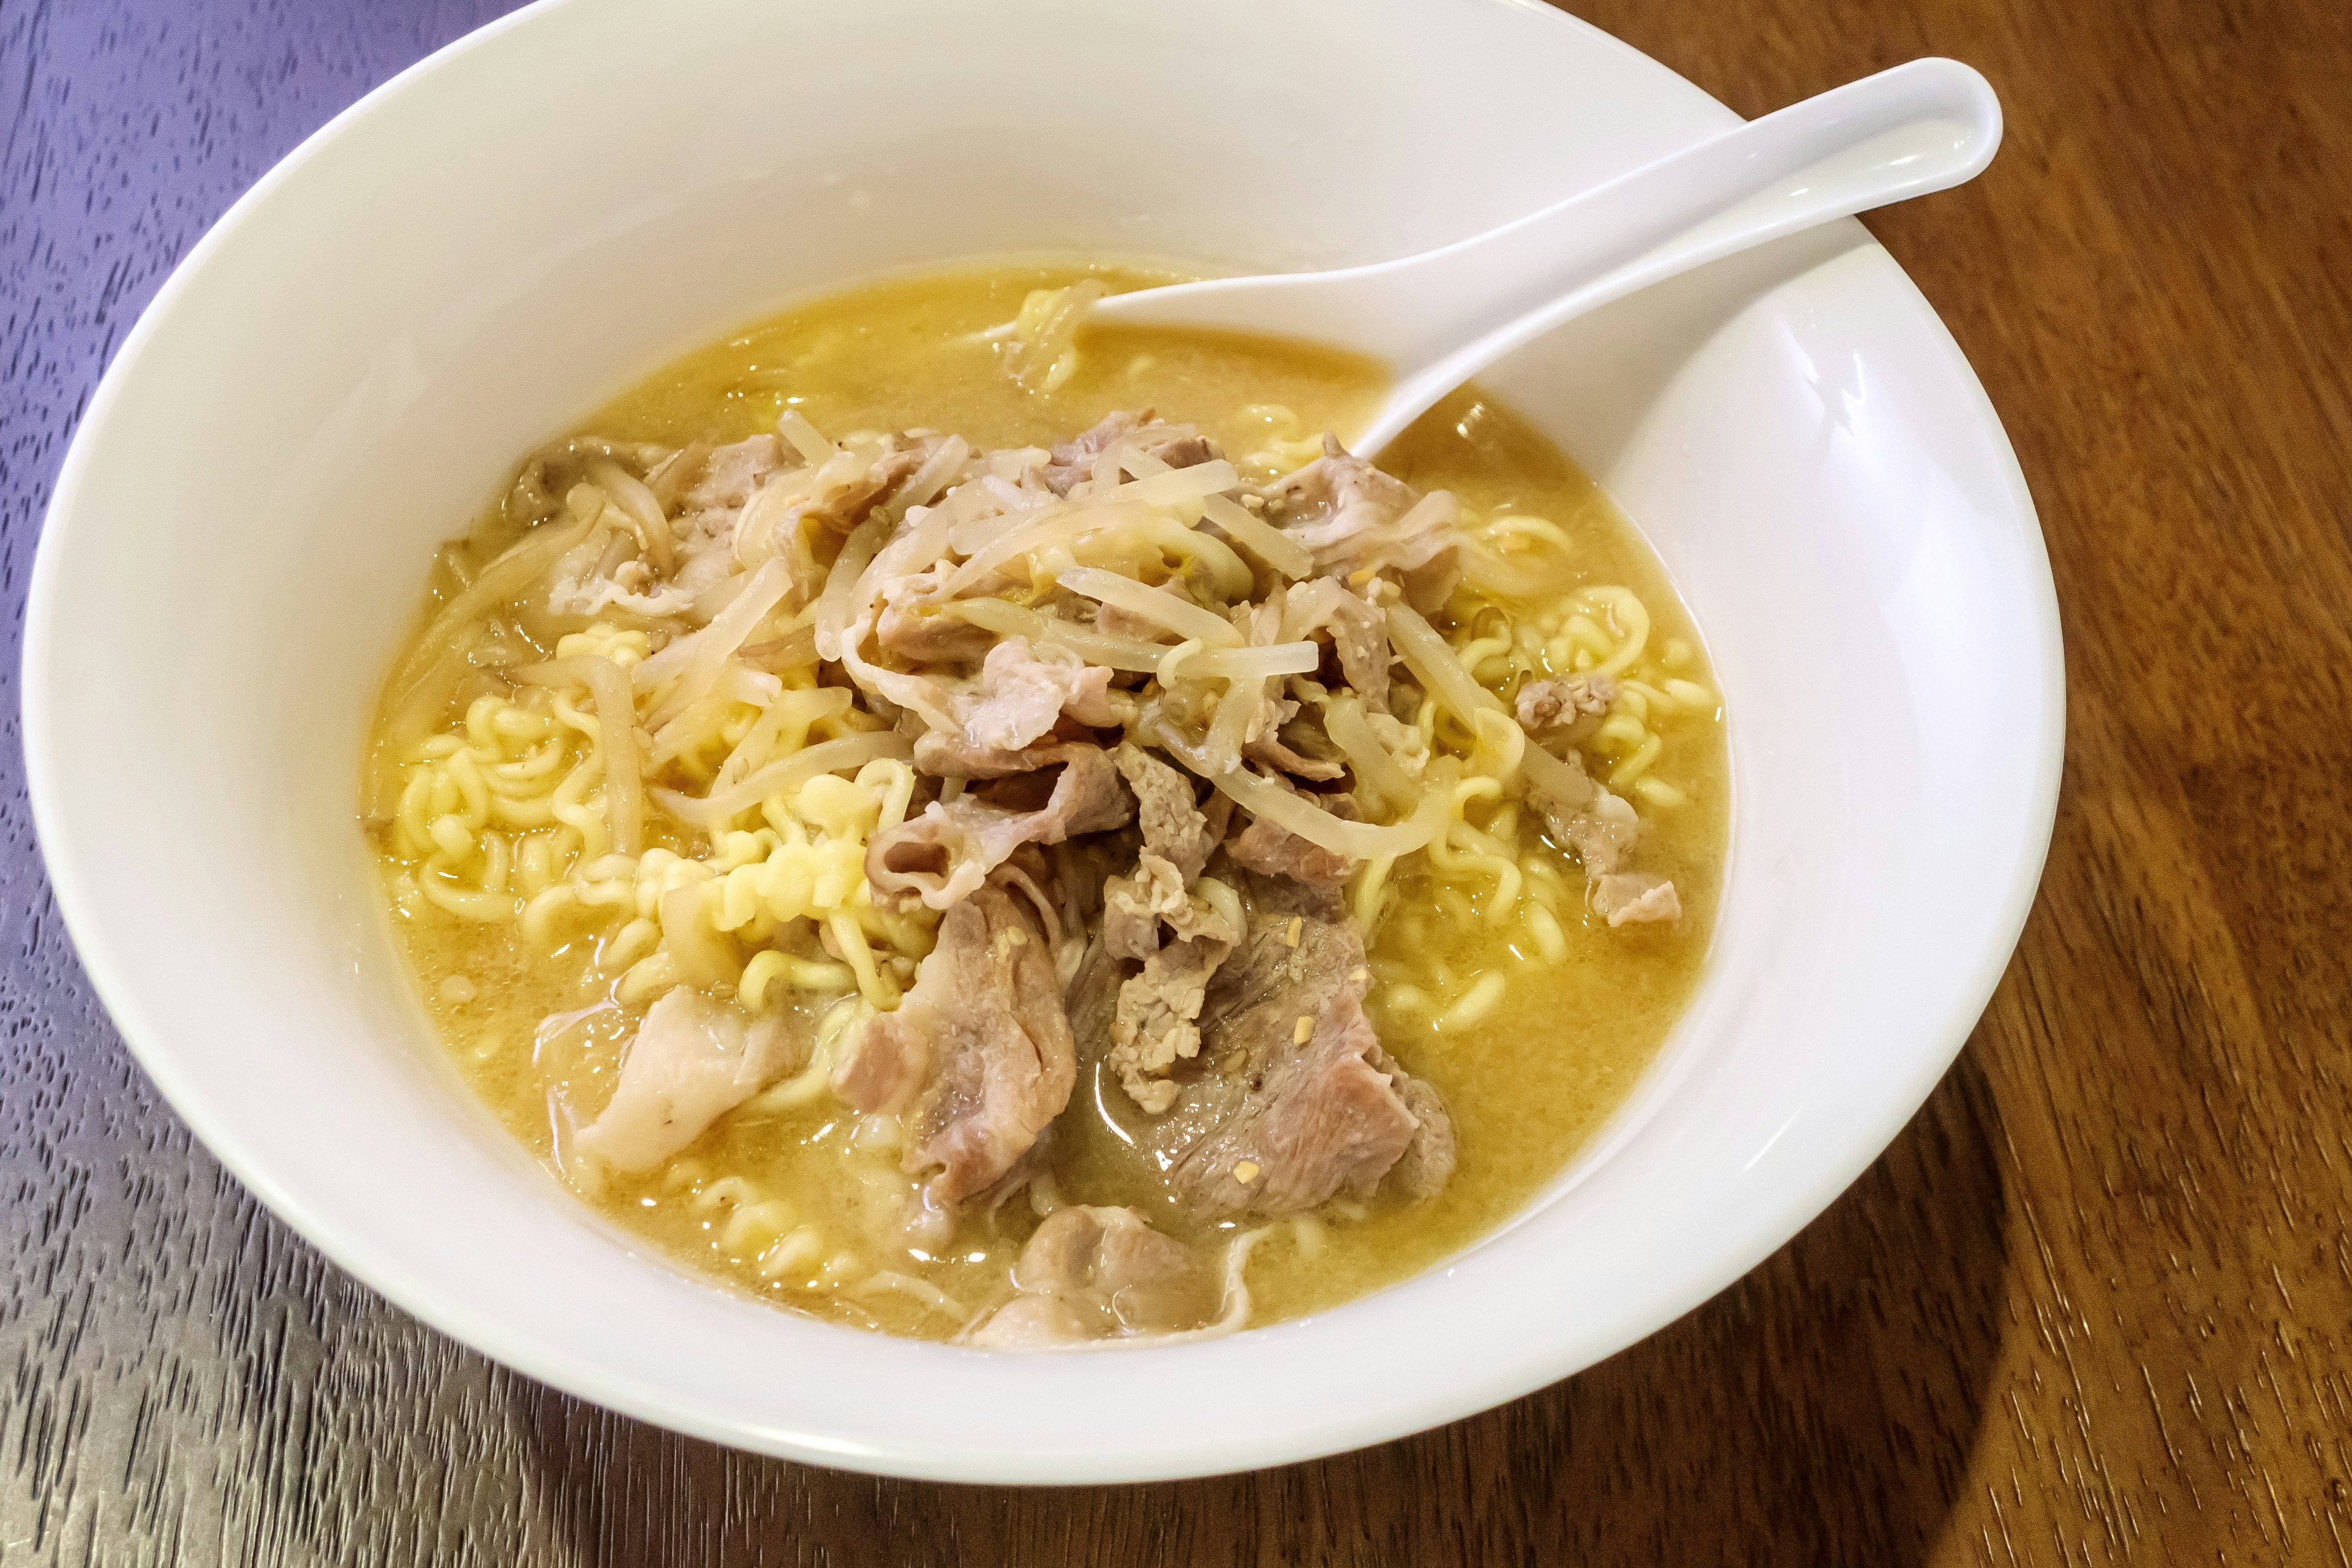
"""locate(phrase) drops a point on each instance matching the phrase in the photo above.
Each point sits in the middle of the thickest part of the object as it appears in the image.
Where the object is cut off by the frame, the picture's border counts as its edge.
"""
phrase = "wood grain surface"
(2093, 1307)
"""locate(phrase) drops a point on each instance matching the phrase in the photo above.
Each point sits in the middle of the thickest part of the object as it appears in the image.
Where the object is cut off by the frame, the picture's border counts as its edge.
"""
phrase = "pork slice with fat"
(1097, 1274)
(943, 856)
(1178, 446)
(694, 1059)
(1358, 522)
(1292, 1100)
(978, 1056)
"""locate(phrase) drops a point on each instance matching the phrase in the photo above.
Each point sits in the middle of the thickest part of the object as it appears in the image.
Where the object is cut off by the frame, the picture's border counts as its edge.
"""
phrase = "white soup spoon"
(1443, 316)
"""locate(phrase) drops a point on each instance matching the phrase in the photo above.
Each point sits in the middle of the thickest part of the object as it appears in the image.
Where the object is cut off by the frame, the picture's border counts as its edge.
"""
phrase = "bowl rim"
(1764, 1228)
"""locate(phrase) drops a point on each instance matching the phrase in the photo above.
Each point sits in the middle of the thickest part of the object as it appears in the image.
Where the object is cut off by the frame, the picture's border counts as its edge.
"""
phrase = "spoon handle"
(1444, 315)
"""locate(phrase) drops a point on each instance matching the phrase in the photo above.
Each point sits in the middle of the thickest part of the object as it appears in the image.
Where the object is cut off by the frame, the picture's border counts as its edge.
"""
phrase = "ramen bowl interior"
(482, 252)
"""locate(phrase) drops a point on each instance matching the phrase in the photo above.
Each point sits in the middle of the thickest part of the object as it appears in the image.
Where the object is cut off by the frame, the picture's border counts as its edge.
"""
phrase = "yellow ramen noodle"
(625, 797)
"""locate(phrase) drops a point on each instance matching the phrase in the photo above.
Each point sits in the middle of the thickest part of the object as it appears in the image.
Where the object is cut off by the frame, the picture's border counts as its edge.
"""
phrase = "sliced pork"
(1097, 1274)
(950, 753)
(1157, 1024)
(943, 856)
(1359, 522)
(711, 505)
(694, 1059)
(1292, 1101)
(1603, 827)
(1178, 446)
(1275, 851)
(1294, 747)
(1175, 829)
(1562, 700)
(1004, 719)
(727, 478)
(845, 488)
(1359, 632)
(1629, 898)
(978, 1055)
(914, 625)
(1021, 695)
(686, 551)
(1151, 917)
(1135, 905)
(1155, 722)
(1284, 1123)
(549, 473)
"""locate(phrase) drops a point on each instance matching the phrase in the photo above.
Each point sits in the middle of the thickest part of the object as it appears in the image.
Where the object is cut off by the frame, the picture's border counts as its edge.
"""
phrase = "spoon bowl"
(1441, 317)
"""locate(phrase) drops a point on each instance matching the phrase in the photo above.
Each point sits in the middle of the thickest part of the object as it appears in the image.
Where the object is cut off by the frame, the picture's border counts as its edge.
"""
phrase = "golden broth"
(1526, 1084)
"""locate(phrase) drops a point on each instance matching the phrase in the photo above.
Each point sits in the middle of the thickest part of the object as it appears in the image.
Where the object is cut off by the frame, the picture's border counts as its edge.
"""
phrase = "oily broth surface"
(1525, 1085)
(907, 353)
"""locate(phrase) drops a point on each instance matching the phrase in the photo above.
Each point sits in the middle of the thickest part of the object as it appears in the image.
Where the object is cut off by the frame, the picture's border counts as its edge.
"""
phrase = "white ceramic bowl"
(487, 247)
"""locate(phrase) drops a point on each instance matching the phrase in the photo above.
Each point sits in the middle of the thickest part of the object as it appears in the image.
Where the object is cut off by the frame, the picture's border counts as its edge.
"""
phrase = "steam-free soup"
(983, 826)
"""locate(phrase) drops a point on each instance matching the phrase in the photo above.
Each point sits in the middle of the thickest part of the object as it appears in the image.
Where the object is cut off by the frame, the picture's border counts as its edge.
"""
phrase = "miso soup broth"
(985, 827)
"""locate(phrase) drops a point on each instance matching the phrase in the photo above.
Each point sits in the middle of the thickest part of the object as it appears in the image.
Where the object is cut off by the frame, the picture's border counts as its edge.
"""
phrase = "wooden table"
(2096, 1304)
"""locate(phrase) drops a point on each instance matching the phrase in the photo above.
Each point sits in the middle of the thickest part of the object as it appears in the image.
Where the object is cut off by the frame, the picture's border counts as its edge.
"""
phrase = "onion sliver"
(715, 811)
(1433, 664)
(929, 480)
(616, 723)
(1229, 730)
(1254, 663)
(911, 549)
(810, 442)
(616, 732)
(728, 631)
(1179, 485)
(1359, 840)
(640, 506)
(1137, 461)
(756, 524)
(803, 708)
(1502, 577)
(651, 673)
(1426, 655)
(1058, 526)
(1042, 344)
(666, 478)
(1375, 764)
(974, 534)
(1259, 537)
(834, 605)
(1565, 782)
(522, 564)
(1182, 616)
(1235, 579)
(1299, 813)
(796, 649)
